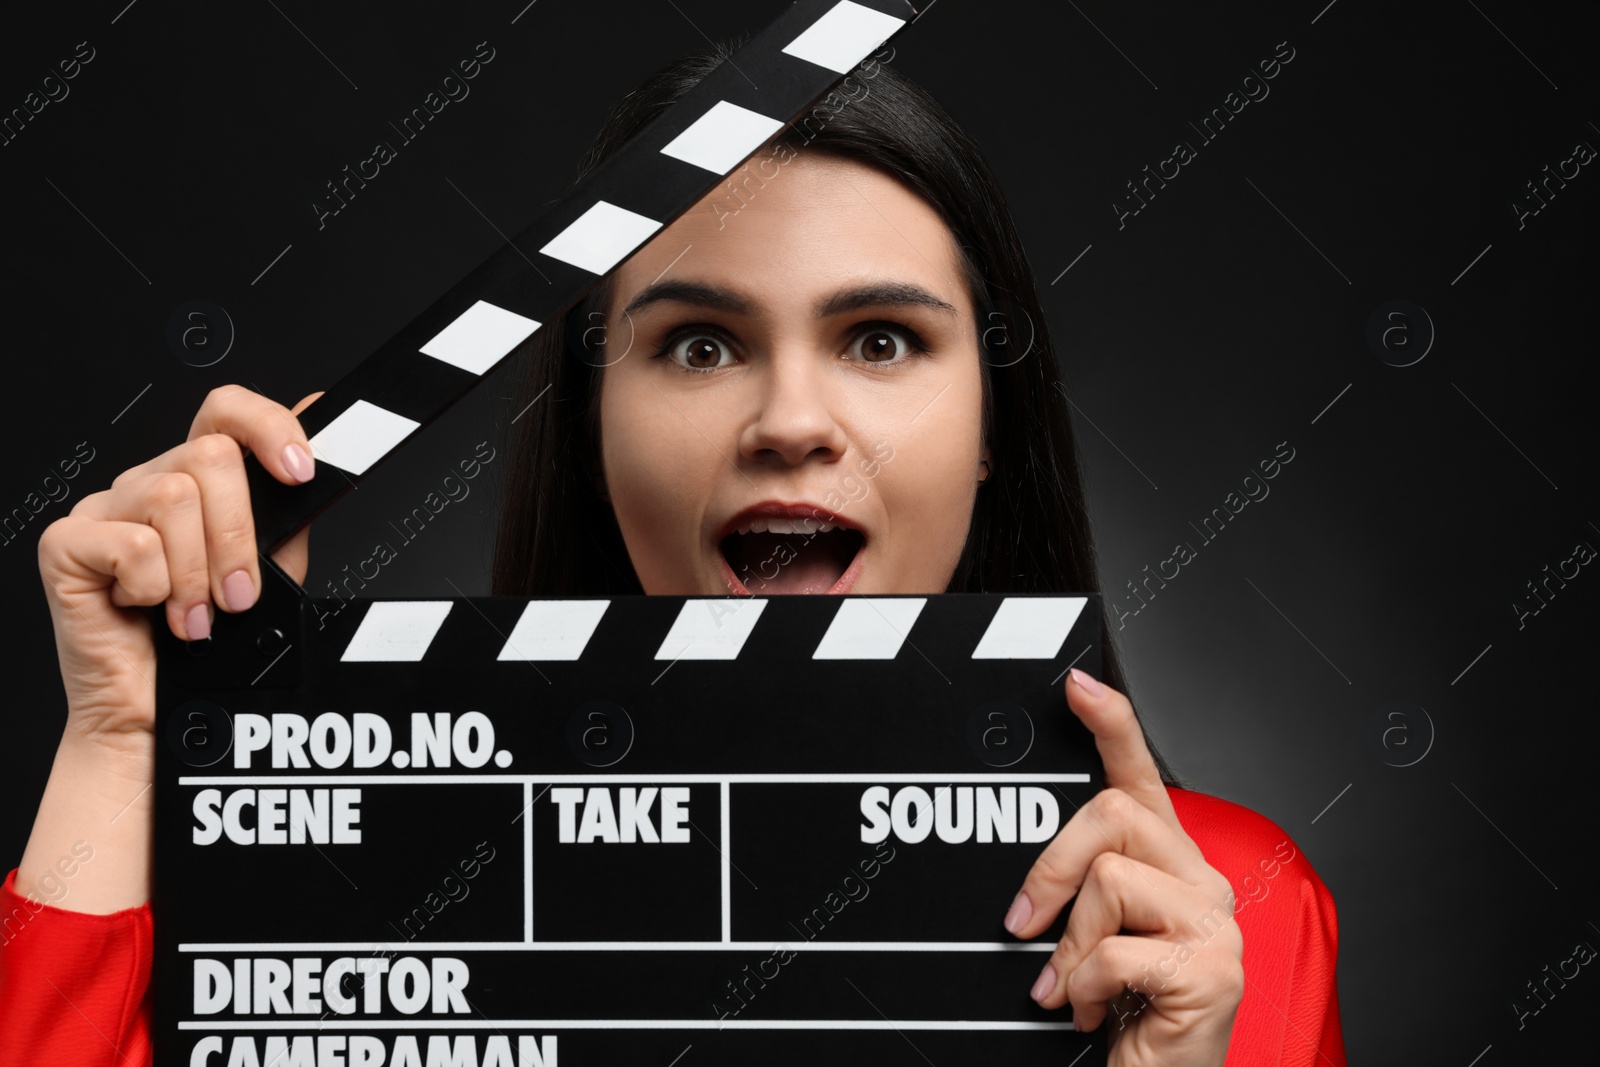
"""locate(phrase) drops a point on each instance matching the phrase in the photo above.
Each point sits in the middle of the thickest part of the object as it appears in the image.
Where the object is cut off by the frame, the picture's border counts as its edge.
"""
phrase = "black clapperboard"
(629, 830)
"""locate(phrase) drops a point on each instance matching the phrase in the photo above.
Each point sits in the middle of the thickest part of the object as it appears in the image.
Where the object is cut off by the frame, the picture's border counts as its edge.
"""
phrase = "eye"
(696, 349)
(700, 348)
(886, 344)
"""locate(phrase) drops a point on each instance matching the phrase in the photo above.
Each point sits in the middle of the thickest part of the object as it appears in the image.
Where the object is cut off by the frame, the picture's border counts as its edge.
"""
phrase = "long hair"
(1030, 525)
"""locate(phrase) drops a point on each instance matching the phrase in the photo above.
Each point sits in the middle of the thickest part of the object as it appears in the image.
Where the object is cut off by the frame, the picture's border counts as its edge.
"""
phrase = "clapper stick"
(442, 354)
(647, 829)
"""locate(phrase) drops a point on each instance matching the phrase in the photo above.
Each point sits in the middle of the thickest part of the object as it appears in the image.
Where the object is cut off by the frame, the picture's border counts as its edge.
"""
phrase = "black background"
(1221, 320)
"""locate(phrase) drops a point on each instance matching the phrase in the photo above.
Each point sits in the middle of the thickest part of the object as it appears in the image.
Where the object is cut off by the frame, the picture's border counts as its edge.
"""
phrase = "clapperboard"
(641, 830)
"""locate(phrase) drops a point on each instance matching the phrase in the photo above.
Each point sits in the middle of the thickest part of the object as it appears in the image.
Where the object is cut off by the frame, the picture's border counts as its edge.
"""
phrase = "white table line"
(527, 863)
(630, 779)
(280, 948)
(620, 1024)
(727, 865)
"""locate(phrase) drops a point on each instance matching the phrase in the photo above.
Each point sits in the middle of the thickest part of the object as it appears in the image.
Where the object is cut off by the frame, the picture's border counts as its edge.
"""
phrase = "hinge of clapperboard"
(448, 349)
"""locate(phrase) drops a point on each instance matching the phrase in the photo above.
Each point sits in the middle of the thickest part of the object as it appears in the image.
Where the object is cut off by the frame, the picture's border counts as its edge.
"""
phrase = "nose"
(798, 397)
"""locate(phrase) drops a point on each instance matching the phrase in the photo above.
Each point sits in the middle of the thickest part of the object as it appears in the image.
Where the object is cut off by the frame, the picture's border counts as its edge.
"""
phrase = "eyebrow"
(878, 294)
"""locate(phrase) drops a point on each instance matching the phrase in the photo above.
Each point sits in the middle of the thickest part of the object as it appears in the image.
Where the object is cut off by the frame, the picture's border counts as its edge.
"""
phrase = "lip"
(779, 509)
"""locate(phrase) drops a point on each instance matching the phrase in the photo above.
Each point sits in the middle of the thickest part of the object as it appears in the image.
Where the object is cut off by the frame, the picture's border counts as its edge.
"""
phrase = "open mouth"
(792, 556)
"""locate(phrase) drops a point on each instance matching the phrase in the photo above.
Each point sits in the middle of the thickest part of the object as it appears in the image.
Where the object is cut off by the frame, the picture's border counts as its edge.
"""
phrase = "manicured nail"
(1086, 683)
(298, 463)
(197, 623)
(1046, 983)
(1021, 911)
(238, 591)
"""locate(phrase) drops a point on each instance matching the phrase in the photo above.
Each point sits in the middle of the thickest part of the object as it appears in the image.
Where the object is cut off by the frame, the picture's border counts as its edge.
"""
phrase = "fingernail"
(197, 623)
(1019, 914)
(298, 463)
(1086, 683)
(238, 591)
(1046, 983)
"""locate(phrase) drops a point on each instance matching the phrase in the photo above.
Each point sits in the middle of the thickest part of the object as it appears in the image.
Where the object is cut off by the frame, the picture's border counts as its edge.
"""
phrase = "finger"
(264, 427)
(1120, 740)
(1164, 976)
(167, 505)
(216, 463)
(79, 554)
(169, 502)
(240, 419)
(1122, 894)
(1112, 821)
(294, 554)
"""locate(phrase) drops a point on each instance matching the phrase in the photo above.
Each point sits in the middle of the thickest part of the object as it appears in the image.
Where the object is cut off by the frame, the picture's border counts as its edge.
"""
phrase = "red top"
(75, 988)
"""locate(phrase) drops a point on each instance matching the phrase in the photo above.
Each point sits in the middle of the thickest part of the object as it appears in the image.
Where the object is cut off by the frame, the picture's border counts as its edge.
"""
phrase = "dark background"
(1222, 319)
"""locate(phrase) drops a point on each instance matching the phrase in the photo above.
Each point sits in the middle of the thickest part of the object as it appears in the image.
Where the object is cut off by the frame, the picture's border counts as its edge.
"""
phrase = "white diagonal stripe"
(1029, 627)
(359, 436)
(396, 631)
(600, 237)
(869, 628)
(711, 629)
(479, 337)
(553, 630)
(720, 138)
(844, 36)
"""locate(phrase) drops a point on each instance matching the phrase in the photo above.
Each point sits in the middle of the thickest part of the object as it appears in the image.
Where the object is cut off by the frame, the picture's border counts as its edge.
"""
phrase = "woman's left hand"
(1174, 979)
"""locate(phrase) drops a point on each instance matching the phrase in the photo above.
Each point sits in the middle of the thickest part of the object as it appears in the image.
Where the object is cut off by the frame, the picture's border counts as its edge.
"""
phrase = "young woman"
(838, 309)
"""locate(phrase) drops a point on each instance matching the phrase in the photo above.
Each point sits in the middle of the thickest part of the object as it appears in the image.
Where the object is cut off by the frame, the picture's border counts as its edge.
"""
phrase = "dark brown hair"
(1030, 527)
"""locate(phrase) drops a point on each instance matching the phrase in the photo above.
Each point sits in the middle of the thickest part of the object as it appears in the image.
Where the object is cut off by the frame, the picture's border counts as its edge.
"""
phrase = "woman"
(838, 314)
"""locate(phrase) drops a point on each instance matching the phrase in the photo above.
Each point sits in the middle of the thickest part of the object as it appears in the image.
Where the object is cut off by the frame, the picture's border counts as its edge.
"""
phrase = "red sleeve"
(74, 987)
(1289, 1016)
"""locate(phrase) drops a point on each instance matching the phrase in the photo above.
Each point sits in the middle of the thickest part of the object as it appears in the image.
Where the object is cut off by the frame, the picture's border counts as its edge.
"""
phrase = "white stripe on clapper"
(869, 628)
(396, 631)
(1029, 627)
(553, 630)
(727, 864)
(359, 436)
(844, 36)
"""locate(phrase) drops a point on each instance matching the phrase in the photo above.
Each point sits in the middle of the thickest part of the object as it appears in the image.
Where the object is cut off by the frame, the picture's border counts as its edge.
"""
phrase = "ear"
(985, 464)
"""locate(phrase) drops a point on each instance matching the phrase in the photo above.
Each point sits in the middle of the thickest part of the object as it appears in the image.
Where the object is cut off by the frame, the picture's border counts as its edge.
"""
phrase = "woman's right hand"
(176, 530)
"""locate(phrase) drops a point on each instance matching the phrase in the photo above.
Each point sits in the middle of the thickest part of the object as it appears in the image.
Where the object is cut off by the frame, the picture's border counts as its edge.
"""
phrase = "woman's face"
(836, 380)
